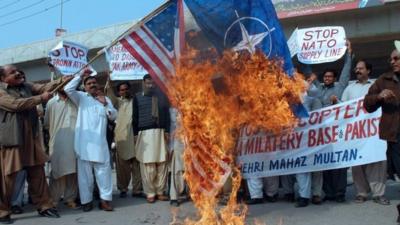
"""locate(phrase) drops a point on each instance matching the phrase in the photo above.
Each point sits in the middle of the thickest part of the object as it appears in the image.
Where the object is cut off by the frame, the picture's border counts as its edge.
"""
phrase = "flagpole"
(114, 42)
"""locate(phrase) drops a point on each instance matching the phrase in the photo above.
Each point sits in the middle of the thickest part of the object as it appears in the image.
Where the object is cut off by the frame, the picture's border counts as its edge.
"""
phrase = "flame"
(215, 98)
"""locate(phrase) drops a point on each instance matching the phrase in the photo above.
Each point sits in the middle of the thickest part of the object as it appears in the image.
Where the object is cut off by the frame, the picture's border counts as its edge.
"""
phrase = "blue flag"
(244, 25)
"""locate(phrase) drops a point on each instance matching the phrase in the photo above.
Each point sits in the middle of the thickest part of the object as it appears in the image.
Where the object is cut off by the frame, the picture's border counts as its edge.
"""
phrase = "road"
(135, 211)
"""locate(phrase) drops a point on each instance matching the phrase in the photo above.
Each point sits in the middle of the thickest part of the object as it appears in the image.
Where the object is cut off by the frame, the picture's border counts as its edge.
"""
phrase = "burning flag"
(223, 64)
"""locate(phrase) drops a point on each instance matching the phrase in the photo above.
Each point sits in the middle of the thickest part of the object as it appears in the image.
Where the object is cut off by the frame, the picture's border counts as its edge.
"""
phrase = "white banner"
(319, 44)
(338, 136)
(292, 43)
(69, 57)
(122, 64)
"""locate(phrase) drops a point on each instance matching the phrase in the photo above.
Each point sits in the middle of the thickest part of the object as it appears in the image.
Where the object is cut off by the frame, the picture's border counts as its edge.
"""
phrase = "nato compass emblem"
(250, 41)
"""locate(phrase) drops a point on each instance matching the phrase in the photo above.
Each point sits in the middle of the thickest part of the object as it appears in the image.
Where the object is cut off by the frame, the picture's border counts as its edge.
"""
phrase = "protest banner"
(337, 136)
(68, 57)
(292, 43)
(320, 44)
(123, 65)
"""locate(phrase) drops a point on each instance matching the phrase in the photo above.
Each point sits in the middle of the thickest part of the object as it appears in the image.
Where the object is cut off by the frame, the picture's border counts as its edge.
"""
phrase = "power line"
(33, 14)
(22, 9)
(9, 4)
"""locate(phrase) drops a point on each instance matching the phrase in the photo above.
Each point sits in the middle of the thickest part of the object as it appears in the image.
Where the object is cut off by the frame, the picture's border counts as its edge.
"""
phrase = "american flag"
(153, 42)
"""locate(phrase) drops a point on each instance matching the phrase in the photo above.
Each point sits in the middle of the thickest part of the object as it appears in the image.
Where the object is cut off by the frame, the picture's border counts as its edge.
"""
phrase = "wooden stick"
(116, 40)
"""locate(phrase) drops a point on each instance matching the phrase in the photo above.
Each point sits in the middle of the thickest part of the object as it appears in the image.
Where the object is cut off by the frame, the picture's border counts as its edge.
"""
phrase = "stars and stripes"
(153, 42)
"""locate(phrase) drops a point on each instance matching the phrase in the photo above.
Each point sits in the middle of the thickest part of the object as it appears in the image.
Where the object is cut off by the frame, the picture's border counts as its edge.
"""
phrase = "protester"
(127, 165)
(335, 181)
(310, 183)
(385, 94)
(151, 125)
(17, 199)
(177, 184)
(258, 186)
(20, 147)
(60, 120)
(370, 177)
(90, 141)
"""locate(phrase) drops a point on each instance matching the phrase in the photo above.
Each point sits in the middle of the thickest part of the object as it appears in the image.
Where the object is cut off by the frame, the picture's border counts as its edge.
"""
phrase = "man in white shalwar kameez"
(60, 120)
(91, 145)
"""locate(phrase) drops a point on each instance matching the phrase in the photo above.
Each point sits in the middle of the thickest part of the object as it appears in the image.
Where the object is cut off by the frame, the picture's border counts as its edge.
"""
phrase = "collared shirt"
(356, 90)
(91, 125)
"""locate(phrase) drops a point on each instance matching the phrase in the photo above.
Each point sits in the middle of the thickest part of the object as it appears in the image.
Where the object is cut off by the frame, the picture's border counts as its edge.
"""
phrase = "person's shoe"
(87, 207)
(51, 213)
(273, 198)
(398, 213)
(6, 220)
(360, 199)
(316, 200)
(301, 202)
(105, 205)
(255, 201)
(151, 199)
(381, 200)
(162, 197)
(340, 199)
(289, 197)
(122, 194)
(16, 209)
(174, 203)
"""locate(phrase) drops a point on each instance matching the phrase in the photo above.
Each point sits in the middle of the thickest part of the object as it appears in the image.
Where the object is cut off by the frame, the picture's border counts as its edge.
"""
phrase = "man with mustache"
(370, 177)
(127, 166)
(385, 93)
(151, 121)
(20, 147)
(91, 145)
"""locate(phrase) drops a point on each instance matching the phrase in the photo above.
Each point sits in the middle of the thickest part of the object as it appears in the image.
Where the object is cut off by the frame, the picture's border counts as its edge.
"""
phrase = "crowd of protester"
(91, 130)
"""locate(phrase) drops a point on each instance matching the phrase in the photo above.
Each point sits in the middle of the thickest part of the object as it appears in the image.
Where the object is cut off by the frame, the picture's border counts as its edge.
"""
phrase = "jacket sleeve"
(371, 102)
(40, 88)
(14, 104)
(346, 71)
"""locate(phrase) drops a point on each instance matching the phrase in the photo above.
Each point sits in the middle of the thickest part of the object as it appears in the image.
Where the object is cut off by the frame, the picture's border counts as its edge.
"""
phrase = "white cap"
(397, 44)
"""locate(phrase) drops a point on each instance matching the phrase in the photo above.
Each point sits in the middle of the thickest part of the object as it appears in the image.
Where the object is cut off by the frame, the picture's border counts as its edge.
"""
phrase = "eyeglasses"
(396, 58)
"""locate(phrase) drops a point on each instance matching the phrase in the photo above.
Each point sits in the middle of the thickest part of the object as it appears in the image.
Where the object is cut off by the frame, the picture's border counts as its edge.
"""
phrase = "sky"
(27, 21)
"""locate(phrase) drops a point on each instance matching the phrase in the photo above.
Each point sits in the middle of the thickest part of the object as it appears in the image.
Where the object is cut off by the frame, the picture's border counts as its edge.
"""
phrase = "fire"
(215, 99)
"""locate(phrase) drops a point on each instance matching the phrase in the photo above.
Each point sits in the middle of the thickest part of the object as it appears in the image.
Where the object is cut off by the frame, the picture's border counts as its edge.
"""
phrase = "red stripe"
(145, 65)
(143, 45)
(144, 28)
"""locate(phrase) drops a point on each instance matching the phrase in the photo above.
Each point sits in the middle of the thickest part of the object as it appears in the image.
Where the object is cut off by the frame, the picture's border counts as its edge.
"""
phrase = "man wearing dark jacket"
(385, 93)
(151, 123)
